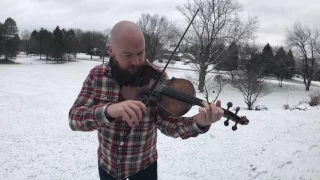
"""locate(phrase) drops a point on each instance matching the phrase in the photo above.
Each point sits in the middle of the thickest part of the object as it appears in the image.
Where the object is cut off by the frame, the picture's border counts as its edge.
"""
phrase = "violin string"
(182, 95)
(194, 100)
(175, 92)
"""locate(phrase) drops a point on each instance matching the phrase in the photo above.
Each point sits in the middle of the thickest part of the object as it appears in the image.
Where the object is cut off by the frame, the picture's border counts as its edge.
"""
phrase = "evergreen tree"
(291, 64)
(10, 27)
(34, 41)
(1, 39)
(231, 59)
(11, 38)
(58, 44)
(40, 39)
(47, 44)
(268, 59)
(70, 42)
(281, 68)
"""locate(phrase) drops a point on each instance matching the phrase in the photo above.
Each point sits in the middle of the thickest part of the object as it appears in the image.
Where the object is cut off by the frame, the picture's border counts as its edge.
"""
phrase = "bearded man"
(127, 129)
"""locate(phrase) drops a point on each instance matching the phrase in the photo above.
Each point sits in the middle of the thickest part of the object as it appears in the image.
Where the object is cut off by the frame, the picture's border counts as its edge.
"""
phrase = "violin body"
(162, 95)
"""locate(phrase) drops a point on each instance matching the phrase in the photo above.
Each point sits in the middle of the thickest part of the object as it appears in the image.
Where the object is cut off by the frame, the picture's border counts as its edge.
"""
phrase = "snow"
(37, 143)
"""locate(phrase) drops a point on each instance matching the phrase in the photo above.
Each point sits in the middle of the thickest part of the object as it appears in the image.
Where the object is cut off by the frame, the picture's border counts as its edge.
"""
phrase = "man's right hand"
(130, 111)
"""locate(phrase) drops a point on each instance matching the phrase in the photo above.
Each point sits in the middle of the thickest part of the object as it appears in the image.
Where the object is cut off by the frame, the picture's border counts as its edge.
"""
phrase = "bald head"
(127, 47)
(125, 30)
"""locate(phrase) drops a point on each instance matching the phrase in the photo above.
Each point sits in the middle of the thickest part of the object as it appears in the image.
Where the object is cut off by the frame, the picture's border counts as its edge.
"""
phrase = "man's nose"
(135, 60)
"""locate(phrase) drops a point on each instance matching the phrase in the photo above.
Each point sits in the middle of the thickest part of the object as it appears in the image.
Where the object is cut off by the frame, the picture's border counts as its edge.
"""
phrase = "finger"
(221, 113)
(214, 112)
(137, 110)
(218, 113)
(206, 106)
(132, 114)
(126, 117)
(218, 103)
(141, 105)
(202, 112)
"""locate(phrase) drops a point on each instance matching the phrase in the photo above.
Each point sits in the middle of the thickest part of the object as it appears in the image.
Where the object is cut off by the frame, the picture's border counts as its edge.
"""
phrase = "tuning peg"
(237, 109)
(235, 126)
(226, 122)
(229, 104)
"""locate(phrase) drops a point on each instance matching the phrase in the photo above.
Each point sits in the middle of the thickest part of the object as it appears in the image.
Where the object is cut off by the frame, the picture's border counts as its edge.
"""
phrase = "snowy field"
(37, 143)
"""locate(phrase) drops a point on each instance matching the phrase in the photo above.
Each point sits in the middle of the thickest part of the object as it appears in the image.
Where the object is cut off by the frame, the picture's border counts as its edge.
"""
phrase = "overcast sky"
(274, 15)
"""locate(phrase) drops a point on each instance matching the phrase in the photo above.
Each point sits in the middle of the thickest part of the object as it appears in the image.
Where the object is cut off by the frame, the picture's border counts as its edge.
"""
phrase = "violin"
(174, 96)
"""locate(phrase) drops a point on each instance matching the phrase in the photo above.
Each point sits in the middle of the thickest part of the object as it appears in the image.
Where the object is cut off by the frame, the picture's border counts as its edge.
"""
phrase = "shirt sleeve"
(183, 127)
(84, 114)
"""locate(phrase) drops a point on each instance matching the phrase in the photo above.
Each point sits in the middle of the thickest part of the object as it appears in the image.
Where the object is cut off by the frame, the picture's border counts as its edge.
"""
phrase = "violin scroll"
(234, 117)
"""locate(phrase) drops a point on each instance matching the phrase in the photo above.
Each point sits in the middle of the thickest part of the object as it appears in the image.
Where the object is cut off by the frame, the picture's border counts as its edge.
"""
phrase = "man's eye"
(127, 55)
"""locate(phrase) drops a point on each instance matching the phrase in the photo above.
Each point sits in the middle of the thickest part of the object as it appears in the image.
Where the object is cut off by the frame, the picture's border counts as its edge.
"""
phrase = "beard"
(124, 76)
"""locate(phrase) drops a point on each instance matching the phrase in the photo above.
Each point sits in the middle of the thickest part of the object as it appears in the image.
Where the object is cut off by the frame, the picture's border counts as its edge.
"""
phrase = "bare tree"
(106, 39)
(78, 45)
(249, 78)
(216, 26)
(305, 42)
(158, 32)
(214, 83)
(26, 41)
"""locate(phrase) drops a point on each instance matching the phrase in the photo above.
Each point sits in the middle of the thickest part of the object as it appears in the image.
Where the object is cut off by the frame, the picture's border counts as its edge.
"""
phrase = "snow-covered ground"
(37, 143)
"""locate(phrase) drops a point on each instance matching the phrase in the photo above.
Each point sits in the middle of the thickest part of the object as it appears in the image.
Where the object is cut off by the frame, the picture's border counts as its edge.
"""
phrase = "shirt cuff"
(100, 114)
(199, 129)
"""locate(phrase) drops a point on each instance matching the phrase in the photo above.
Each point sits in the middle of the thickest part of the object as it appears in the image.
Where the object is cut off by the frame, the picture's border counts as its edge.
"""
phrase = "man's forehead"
(132, 51)
(123, 30)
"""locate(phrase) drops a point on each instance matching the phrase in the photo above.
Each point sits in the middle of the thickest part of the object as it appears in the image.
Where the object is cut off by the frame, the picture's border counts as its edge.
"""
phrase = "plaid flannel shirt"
(139, 150)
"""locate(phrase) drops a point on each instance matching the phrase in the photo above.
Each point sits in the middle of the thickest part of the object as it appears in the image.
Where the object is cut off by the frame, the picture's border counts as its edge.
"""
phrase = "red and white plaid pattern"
(139, 150)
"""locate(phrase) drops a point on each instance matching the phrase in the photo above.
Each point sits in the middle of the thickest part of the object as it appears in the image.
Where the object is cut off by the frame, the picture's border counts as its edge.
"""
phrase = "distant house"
(187, 57)
(178, 56)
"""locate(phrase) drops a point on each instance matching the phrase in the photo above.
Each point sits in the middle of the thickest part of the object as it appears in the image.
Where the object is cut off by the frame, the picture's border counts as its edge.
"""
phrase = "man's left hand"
(209, 114)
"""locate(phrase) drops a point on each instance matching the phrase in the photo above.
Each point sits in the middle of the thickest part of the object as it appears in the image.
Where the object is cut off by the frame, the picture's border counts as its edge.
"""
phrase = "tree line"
(60, 44)
(57, 45)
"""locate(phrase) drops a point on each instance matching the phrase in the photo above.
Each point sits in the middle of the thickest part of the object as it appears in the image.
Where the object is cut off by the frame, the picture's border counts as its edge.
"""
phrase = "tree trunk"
(202, 78)
(249, 104)
(308, 85)
(280, 82)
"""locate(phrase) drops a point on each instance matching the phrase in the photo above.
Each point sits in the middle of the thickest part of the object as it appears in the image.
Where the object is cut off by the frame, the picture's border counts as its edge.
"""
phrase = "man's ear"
(110, 49)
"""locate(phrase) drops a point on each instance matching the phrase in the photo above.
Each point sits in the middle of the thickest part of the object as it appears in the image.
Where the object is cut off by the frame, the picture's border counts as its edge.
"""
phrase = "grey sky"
(274, 15)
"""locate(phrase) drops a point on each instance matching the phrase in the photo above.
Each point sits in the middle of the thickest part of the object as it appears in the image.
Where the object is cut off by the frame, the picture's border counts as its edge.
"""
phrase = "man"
(127, 129)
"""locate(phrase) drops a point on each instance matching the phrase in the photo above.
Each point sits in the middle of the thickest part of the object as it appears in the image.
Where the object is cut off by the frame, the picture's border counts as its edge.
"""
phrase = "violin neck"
(176, 94)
